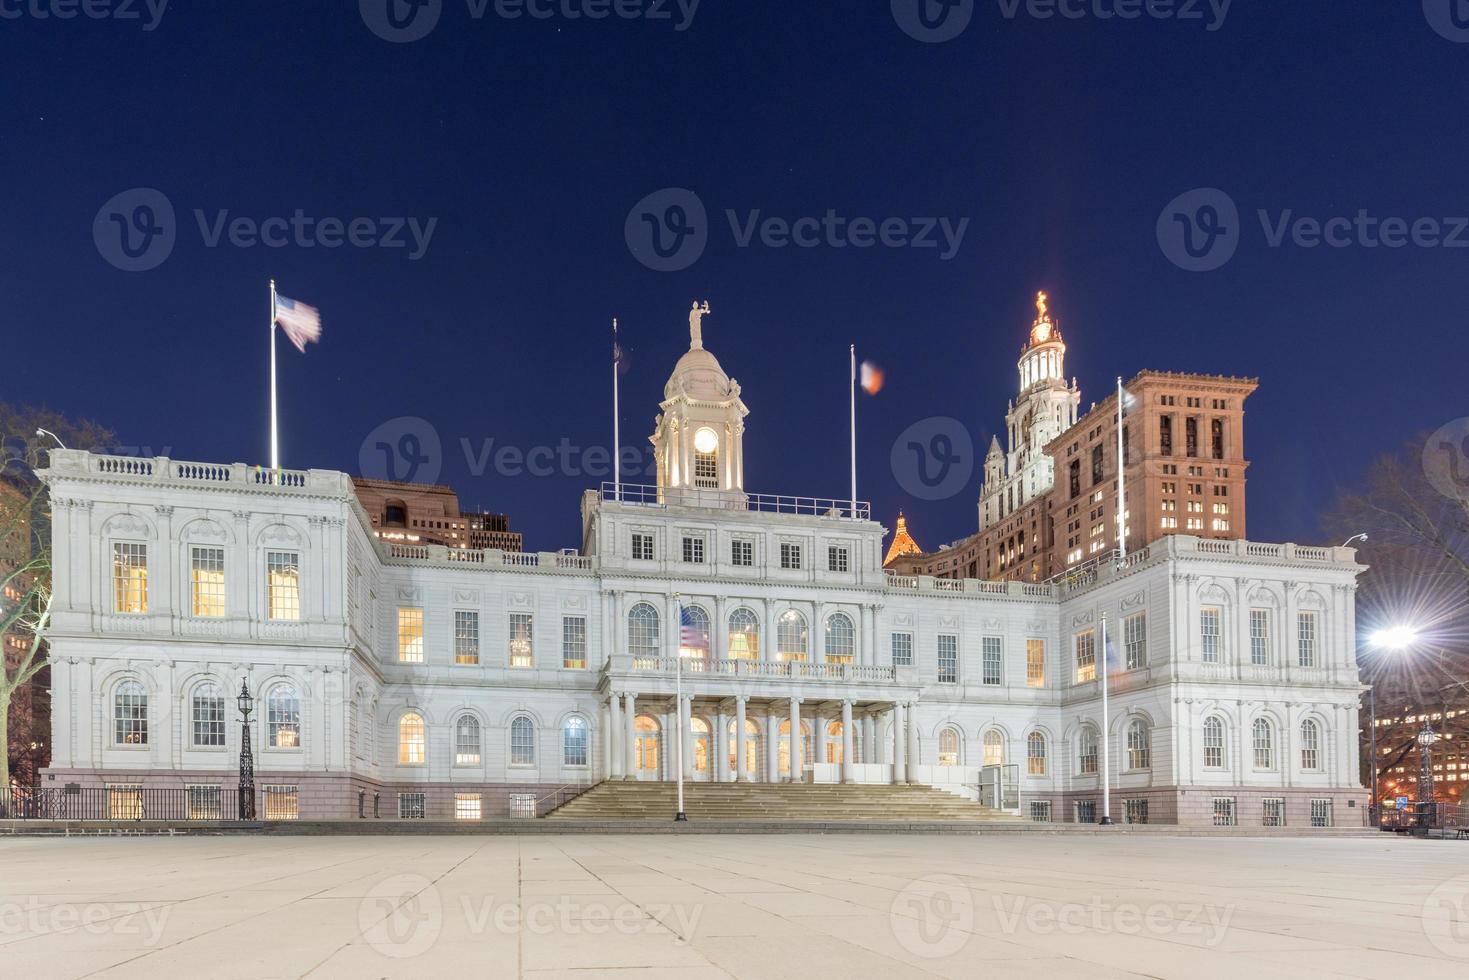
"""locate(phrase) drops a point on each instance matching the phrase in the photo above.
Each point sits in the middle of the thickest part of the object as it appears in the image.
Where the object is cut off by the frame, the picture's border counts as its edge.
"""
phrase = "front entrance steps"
(774, 802)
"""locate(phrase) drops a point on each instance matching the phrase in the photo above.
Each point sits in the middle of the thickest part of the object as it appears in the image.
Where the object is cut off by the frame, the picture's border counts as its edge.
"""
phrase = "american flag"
(691, 636)
(301, 323)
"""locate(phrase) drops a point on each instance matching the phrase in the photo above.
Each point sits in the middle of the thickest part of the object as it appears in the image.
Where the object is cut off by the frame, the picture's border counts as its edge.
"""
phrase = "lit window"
(994, 748)
(574, 742)
(1086, 657)
(1139, 749)
(410, 635)
(206, 575)
(744, 635)
(694, 633)
(948, 659)
(643, 635)
(791, 636)
(282, 802)
(1213, 743)
(283, 717)
(130, 714)
(467, 741)
(948, 747)
(283, 585)
(412, 740)
(522, 642)
(129, 577)
(841, 639)
(902, 649)
(1035, 663)
(522, 742)
(466, 637)
(1035, 754)
(467, 806)
(574, 642)
(207, 716)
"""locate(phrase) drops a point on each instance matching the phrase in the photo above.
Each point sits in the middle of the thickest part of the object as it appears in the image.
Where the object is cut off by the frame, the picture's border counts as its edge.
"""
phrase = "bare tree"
(25, 605)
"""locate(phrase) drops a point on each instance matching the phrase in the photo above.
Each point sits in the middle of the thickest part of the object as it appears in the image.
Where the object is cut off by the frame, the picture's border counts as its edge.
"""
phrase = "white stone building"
(455, 683)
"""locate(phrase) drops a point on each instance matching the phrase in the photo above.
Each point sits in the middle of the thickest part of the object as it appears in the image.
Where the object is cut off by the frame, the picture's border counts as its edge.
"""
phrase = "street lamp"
(247, 760)
(1356, 537)
(1395, 639)
(48, 432)
(1426, 738)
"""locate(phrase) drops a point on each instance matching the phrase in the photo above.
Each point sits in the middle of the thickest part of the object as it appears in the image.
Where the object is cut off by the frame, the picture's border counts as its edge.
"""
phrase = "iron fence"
(181, 803)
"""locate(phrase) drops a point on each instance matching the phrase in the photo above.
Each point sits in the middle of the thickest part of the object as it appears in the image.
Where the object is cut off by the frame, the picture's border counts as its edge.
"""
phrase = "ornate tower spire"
(903, 543)
(699, 435)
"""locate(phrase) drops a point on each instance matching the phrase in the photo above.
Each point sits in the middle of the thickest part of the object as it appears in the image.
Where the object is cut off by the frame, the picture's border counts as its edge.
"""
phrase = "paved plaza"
(803, 907)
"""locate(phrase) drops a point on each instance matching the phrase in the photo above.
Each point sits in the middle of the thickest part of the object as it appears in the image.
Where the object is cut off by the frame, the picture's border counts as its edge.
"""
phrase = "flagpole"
(1106, 732)
(1121, 482)
(853, 394)
(616, 419)
(275, 447)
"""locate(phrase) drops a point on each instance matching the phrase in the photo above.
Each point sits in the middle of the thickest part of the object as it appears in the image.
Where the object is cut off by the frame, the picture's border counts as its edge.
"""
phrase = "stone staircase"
(774, 802)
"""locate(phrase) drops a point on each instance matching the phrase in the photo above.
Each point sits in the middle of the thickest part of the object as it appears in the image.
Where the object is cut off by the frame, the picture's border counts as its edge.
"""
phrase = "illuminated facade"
(423, 513)
(462, 683)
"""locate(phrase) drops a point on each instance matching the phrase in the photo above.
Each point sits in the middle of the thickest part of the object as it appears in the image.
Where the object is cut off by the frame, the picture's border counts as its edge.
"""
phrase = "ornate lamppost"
(247, 759)
(1426, 738)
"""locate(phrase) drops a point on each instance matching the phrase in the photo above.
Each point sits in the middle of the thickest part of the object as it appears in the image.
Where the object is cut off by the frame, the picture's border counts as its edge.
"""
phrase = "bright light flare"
(1395, 637)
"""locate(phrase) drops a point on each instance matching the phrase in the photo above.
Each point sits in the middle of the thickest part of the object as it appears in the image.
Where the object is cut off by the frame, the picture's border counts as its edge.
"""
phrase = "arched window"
(206, 716)
(994, 747)
(522, 742)
(834, 744)
(130, 714)
(1310, 745)
(1035, 754)
(283, 717)
(574, 741)
(693, 638)
(467, 741)
(1088, 753)
(642, 634)
(841, 639)
(412, 740)
(948, 747)
(699, 737)
(1213, 743)
(791, 636)
(1264, 739)
(744, 635)
(1139, 745)
(752, 748)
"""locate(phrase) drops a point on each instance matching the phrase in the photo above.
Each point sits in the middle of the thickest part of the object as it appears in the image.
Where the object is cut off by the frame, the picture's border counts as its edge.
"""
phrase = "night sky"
(530, 141)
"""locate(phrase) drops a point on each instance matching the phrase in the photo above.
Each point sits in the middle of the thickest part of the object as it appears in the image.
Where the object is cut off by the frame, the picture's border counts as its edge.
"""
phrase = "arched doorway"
(834, 744)
(785, 747)
(753, 754)
(703, 748)
(647, 738)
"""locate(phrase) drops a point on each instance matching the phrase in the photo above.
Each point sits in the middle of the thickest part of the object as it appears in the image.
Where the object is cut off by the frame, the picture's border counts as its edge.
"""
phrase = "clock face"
(705, 441)
(1042, 331)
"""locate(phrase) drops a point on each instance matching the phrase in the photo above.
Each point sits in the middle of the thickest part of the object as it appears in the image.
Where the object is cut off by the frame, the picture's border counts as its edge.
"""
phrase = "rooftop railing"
(764, 503)
(489, 557)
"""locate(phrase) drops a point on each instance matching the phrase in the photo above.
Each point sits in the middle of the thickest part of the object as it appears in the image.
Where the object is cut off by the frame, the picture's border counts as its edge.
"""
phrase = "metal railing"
(765, 503)
(115, 803)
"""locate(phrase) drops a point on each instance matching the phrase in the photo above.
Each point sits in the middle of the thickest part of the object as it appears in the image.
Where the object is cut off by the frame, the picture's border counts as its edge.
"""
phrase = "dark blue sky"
(530, 141)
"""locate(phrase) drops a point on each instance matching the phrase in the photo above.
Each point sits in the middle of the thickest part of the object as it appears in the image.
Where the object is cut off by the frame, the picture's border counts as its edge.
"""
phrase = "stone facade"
(398, 669)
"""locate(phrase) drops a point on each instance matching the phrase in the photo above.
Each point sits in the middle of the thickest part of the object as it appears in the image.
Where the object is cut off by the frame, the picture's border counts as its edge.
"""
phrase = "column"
(818, 631)
(912, 713)
(869, 636)
(672, 626)
(767, 630)
(772, 746)
(869, 739)
(740, 747)
(629, 711)
(847, 741)
(900, 764)
(719, 629)
(818, 736)
(719, 745)
(615, 753)
(795, 742)
(686, 716)
(604, 635)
